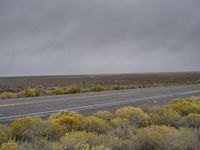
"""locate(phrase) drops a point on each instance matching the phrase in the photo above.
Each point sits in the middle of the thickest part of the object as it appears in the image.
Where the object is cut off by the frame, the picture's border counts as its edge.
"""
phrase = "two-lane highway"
(11, 109)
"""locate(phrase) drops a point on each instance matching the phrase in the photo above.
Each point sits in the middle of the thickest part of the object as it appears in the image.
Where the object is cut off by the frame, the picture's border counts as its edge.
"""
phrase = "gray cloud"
(98, 36)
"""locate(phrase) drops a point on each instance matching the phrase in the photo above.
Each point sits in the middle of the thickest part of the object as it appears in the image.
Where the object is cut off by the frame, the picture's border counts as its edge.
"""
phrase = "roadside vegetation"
(12, 87)
(62, 90)
(32, 92)
(173, 126)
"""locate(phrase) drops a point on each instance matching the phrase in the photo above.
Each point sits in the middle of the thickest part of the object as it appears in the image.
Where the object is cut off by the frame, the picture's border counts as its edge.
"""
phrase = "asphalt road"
(11, 109)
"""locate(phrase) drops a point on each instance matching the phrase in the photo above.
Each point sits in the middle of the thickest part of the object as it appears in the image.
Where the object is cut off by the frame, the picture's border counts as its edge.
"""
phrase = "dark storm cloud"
(98, 36)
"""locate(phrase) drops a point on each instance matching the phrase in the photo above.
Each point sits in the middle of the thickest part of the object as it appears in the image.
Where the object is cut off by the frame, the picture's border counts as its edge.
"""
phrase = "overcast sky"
(40, 37)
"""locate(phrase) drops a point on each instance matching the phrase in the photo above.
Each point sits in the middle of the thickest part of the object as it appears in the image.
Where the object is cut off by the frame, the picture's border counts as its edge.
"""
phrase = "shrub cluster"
(52, 91)
(23, 93)
(31, 92)
(6, 95)
(98, 88)
(57, 91)
(27, 93)
(170, 127)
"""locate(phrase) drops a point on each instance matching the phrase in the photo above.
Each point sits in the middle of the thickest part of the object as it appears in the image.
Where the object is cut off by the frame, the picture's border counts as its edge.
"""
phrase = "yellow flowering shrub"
(27, 93)
(106, 115)
(58, 91)
(136, 116)
(185, 106)
(73, 90)
(69, 120)
(98, 88)
(5, 95)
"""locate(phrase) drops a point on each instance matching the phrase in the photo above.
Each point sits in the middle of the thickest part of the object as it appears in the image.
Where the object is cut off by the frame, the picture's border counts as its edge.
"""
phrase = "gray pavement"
(11, 109)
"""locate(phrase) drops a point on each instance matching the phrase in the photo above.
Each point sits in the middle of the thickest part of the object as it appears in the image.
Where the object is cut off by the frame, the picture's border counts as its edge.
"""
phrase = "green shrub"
(193, 120)
(198, 81)
(39, 144)
(119, 123)
(106, 115)
(52, 131)
(188, 139)
(94, 124)
(111, 141)
(40, 92)
(100, 147)
(5, 133)
(155, 138)
(22, 128)
(6, 95)
(132, 86)
(2, 90)
(148, 108)
(163, 137)
(121, 128)
(136, 116)
(47, 129)
(27, 93)
(70, 140)
(117, 87)
(164, 116)
(10, 145)
(196, 99)
(80, 146)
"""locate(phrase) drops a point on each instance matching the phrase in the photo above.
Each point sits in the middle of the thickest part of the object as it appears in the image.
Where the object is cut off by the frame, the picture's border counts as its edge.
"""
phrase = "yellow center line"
(6, 105)
(49, 101)
(72, 98)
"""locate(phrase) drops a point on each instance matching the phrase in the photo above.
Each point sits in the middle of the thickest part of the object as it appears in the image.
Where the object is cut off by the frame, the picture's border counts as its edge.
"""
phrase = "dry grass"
(16, 84)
